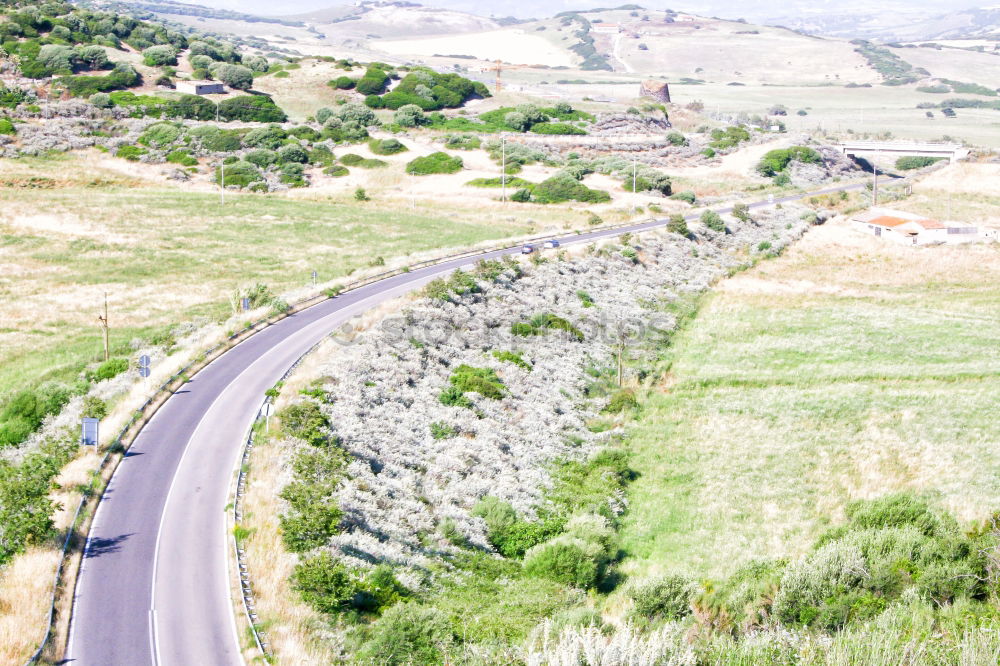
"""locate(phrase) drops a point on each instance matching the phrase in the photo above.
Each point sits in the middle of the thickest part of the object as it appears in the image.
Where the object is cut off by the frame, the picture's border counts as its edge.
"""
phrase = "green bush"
(512, 357)
(293, 153)
(240, 174)
(622, 400)
(730, 137)
(585, 299)
(109, 369)
(435, 163)
(342, 83)
(7, 127)
(305, 420)
(182, 157)
(409, 115)
(687, 196)
(123, 76)
(499, 181)
(160, 135)
(713, 221)
(94, 407)
(666, 597)
(484, 381)
(562, 560)
(441, 430)
(676, 139)
(326, 584)
(271, 137)
(678, 225)
(373, 82)
(776, 161)
(337, 171)
(741, 212)
(556, 128)
(909, 163)
(507, 532)
(562, 187)
(157, 56)
(386, 146)
(313, 515)
(261, 158)
(409, 634)
(293, 173)
(216, 140)
(251, 108)
(548, 321)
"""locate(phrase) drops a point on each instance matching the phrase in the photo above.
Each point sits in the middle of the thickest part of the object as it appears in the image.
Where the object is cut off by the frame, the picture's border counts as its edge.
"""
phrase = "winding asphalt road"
(154, 586)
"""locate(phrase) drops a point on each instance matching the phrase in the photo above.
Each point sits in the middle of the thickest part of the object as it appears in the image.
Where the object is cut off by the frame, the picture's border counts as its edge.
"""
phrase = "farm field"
(845, 369)
(166, 254)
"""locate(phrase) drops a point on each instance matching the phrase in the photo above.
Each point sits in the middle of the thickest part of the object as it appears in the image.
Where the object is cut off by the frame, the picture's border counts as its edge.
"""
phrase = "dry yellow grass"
(25, 591)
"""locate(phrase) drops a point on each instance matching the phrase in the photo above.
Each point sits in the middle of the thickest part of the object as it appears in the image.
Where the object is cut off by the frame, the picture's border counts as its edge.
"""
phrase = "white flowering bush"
(417, 463)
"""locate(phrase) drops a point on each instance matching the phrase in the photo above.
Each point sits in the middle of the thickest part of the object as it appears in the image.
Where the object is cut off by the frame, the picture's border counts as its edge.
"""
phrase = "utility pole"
(503, 166)
(634, 164)
(222, 178)
(104, 325)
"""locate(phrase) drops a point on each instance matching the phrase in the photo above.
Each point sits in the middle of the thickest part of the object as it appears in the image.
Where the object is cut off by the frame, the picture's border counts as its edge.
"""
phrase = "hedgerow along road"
(154, 583)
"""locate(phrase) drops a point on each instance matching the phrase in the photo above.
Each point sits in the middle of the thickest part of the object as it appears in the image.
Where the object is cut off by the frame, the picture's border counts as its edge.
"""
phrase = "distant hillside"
(903, 26)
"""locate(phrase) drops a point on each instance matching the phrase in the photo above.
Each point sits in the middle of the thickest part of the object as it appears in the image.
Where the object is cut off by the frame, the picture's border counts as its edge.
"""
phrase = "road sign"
(143, 361)
(89, 432)
(246, 304)
(267, 410)
(314, 276)
(144, 371)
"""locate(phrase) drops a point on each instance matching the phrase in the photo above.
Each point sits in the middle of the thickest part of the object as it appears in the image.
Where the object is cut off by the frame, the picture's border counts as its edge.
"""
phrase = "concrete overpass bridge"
(951, 151)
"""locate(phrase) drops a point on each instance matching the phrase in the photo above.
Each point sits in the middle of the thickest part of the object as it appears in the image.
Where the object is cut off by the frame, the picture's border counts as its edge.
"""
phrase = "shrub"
(462, 142)
(251, 108)
(556, 128)
(408, 634)
(192, 107)
(182, 157)
(325, 584)
(676, 139)
(101, 100)
(305, 420)
(261, 158)
(293, 173)
(94, 407)
(621, 400)
(386, 146)
(240, 174)
(441, 430)
(678, 225)
(512, 357)
(160, 135)
(806, 584)
(666, 597)
(342, 83)
(216, 140)
(293, 153)
(109, 369)
(435, 163)
(713, 221)
(157, 56)
(732, 136)
(775, 161)
(563, 560)
(7, 127)
(361, 195)
(562, 187)
(121, 77)
(357, 113)
(687, 196)
(336, 171)
(235, 76)
(409, 115)
(741, 212)
(313, 515)
(763, 246)
(916, 162)
(373, 82)
(522, 195)
(483, 381)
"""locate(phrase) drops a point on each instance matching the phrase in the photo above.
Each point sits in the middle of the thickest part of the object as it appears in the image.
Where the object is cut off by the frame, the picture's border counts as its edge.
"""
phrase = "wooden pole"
(104, 325)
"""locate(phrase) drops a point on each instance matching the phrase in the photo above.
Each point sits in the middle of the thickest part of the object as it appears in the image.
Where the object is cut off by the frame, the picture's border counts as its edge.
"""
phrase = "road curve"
(153, 586)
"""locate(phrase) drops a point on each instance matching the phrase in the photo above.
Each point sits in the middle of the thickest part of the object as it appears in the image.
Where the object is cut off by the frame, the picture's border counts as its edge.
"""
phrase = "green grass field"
(846, 369)
(169, 254)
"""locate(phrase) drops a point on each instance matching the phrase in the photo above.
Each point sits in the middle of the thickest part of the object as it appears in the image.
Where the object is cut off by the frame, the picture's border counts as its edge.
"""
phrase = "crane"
(498, 67)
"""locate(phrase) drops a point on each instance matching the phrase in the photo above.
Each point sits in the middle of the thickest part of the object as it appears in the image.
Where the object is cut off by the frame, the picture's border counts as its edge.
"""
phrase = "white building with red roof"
(911, 229)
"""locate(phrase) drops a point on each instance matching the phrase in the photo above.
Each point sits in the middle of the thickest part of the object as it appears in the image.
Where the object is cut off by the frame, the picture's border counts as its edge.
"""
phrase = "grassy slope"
(167, 254)
(847, 368)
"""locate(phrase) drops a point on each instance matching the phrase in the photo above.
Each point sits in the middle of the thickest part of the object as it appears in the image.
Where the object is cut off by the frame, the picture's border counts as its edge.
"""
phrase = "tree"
(357, 113)
(157, 56)
(713, 221)
(252, 108)
(409, 115)
(235, 76)
(57, 58)
(741, 212)
(516, 120)
(94, 57)
(256, 63)
(678, 225)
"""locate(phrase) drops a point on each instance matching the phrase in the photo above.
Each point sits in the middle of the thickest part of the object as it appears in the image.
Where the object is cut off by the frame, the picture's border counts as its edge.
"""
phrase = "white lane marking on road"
(154, 649)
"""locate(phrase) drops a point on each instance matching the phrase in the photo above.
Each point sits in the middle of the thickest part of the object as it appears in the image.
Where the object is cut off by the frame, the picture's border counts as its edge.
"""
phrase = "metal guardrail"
(142, 415)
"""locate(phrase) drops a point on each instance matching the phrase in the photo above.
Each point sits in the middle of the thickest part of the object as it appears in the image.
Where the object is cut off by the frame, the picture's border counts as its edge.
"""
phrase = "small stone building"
(201, 87)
